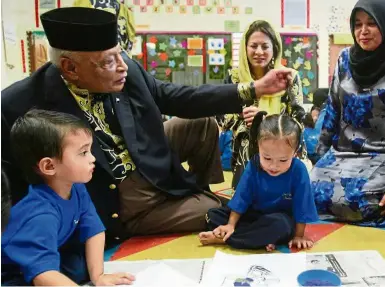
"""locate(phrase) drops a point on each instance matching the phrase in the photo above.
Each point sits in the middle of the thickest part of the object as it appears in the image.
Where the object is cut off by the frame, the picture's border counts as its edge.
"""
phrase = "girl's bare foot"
(207, 238)
(270, 247)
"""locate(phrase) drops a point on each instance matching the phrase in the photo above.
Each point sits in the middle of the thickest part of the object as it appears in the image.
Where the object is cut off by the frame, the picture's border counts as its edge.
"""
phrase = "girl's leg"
(266, 231)
(214, 218)
(217, 216)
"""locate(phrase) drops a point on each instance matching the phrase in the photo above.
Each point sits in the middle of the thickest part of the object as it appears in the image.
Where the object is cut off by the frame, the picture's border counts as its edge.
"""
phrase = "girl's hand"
(224, 231)
(301, 242)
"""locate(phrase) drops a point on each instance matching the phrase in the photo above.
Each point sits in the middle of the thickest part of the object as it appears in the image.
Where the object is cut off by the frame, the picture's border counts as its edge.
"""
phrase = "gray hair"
(55, 55)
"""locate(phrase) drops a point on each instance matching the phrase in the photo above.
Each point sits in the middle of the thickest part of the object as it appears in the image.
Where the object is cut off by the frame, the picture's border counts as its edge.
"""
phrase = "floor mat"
(327, 237)
(227, 193)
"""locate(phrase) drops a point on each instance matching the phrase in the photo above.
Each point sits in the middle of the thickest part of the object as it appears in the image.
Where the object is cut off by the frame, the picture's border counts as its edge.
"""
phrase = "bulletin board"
(185, 58)
(182, 58)
(300, 53)
(218, 57)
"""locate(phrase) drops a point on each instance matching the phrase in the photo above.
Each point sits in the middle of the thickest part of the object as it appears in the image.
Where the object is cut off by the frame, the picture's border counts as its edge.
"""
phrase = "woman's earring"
(271, 65)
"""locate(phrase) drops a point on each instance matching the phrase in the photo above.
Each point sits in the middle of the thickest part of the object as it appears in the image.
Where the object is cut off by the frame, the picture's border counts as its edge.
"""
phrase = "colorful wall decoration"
(185, 58)
(300, 53)
(199, 58)
(188, 7)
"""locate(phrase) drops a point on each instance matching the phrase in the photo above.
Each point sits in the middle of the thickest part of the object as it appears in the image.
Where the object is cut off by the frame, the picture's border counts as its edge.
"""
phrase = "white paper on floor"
(163, 276)
(355, 268)
(255, 270)
(157, 275)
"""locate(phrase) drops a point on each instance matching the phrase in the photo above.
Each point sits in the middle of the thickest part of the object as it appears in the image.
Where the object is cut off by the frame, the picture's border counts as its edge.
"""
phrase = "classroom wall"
(326, 16)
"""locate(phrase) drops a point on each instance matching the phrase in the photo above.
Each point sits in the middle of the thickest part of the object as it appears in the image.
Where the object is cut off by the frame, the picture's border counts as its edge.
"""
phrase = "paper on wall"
(216, 44)
(232, 26)
(295, 12)
(194, 43)
(217, 59)
(236, 40)
(47, 4)
(137, 46)
(10, 36)
(195, 61)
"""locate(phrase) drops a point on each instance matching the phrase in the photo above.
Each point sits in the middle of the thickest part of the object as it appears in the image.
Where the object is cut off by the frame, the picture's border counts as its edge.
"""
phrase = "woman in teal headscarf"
(260, 51)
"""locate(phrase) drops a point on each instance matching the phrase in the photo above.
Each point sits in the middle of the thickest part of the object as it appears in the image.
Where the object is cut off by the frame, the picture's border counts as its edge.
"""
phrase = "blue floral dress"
(349, 180)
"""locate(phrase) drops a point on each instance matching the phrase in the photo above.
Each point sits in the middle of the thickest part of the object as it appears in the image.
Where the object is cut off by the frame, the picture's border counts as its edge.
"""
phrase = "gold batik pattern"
(118, 156)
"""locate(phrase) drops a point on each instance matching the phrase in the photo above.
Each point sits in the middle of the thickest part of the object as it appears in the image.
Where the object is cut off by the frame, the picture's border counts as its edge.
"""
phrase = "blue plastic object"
(317, 277)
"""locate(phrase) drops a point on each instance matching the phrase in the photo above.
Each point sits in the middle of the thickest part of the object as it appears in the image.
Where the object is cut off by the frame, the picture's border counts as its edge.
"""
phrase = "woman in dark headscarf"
(349, 180)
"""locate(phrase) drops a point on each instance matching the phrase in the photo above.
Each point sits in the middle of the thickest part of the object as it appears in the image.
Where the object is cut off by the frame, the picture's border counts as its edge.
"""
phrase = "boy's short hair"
(320, 96)
(308, 121)
(315, 108)
(39, 134)
(5, 200)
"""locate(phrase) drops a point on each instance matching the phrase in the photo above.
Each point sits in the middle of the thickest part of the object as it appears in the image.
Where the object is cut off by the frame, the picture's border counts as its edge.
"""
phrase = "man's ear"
(69, 68)
(47, 166)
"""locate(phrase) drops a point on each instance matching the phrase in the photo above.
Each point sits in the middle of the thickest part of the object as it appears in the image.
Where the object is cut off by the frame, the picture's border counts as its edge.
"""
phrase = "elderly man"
(139, 185)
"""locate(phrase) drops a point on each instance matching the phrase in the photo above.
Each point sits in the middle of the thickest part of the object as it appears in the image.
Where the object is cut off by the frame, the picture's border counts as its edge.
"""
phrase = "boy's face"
(275, 156)
(77, 162)
(315, 115)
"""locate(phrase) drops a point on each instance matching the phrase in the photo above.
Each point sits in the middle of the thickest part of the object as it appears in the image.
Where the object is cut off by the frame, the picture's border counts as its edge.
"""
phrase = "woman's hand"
(249, 113)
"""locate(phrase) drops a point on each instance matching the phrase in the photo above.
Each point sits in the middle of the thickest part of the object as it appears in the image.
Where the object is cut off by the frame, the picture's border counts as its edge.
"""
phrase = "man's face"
(99, 72)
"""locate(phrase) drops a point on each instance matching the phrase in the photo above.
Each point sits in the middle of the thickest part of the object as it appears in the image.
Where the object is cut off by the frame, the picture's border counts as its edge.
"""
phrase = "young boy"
(54, 233)
(315, 111)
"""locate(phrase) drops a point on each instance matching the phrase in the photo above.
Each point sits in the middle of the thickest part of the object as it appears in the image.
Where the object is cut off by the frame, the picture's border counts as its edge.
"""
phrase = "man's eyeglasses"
(111, 61)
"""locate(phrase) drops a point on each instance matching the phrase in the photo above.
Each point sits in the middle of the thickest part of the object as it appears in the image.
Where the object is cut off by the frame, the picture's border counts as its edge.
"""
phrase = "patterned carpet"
(327, 237)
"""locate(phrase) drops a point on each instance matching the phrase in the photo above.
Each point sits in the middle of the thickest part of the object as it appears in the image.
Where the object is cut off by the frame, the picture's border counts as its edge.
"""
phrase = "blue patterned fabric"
(349, 180)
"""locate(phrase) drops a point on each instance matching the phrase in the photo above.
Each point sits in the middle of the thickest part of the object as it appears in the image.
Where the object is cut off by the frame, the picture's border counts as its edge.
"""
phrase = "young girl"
(273, 201)
(260, 51)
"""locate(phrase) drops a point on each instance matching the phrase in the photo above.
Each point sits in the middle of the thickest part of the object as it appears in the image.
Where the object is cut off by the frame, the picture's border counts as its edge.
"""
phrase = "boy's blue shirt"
(42, 222)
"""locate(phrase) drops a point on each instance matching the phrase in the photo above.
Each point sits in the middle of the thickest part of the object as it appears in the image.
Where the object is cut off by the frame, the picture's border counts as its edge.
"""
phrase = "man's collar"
(84, 93)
